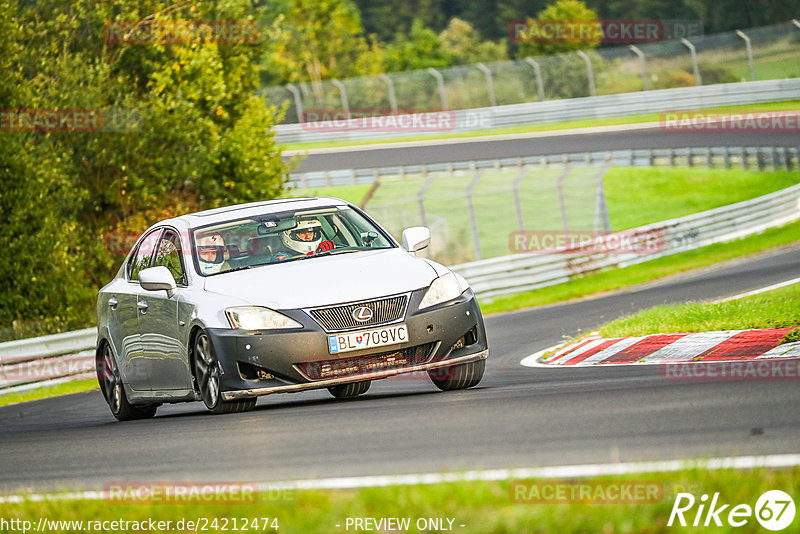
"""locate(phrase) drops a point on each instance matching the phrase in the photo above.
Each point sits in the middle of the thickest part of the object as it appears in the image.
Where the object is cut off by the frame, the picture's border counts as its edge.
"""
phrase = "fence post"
(343, 92)
(589, 72)
(370, 193)
(421, 198)
(744, 36)
(473, 224)
(489, 82)
(601, 208)
(515, 191)
(298, 102)
(697, 79)
(643, 63)
(392, 97)
(560, 187)
(744, 159)
(539, 84)
(440, 83)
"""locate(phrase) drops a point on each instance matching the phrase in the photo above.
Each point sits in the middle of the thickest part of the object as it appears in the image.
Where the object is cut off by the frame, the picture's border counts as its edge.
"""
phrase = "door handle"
(112, 302)
(142, 305)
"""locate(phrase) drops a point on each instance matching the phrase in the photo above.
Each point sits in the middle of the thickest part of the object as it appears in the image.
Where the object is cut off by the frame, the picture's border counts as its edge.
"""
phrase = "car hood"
(326, 280)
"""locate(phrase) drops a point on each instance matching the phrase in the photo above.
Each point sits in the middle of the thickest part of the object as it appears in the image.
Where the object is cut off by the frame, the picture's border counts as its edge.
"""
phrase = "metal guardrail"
(594, 107)
(759, 158)
(41, 361)
(529, 271)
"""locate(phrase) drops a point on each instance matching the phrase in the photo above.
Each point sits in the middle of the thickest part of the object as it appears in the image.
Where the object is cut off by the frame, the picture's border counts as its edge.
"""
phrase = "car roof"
(242, 211)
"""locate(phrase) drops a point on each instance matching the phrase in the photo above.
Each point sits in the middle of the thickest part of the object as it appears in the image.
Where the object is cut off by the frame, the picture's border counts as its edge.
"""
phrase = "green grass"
(75, 386)
(482, 507)
(614, 279)
(778, 308)
(350, 193)
(547, 127)
(637, 197)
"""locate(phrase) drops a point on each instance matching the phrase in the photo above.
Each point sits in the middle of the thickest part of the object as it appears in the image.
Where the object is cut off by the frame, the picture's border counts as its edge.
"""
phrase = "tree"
(192, 136)
(420, 49)
(562, 10)
(317, 40)
(465, 45)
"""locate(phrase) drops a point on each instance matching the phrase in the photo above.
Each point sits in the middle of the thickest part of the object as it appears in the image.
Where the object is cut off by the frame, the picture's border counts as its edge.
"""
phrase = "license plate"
(367, 339)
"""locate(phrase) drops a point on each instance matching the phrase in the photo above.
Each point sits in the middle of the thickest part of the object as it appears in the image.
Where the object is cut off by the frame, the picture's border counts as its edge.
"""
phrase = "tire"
(352, 389)
(462, 376)
(207, 381)
(113, 391)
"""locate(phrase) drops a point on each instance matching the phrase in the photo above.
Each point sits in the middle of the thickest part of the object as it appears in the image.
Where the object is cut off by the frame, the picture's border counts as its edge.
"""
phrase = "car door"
(165, 357)
(127, 312)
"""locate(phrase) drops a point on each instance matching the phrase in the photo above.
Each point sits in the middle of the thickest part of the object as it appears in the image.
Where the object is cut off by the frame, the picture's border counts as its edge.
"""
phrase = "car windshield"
(282, 237)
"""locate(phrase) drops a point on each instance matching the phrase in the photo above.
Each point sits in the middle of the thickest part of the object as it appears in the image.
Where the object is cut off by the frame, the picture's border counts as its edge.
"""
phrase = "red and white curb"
(726, 345)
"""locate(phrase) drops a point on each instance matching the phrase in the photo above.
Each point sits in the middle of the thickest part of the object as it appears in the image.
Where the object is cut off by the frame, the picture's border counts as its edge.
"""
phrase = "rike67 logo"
(774, 510)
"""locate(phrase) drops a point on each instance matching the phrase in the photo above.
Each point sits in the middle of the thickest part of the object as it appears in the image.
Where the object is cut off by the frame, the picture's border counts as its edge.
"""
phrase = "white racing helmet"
(207, 253)
(303, 238)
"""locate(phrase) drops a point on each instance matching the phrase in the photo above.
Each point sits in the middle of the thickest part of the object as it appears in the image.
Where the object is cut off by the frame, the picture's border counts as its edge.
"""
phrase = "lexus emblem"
(362, 314)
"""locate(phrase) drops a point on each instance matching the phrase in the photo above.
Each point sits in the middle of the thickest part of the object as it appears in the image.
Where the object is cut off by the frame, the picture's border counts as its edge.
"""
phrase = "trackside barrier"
(593, 107)
(528, 271)
(41, 361)
(748, 157)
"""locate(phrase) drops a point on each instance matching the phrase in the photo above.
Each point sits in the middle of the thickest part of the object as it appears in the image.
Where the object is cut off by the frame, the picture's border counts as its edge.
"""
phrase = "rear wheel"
(461, 376)
(352, 389)
(111, 385)
(206, 375)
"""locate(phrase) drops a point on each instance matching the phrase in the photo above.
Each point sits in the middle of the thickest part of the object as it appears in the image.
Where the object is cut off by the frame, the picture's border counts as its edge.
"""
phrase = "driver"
(303, 238)
(207, 250)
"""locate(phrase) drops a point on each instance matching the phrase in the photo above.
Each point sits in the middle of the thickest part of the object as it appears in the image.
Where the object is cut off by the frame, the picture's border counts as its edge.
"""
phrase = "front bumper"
(282, 355)
(319, 384)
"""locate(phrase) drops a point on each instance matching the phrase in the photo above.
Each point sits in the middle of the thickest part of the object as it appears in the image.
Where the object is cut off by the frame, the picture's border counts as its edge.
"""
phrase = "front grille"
(369, 363)
(338, 318)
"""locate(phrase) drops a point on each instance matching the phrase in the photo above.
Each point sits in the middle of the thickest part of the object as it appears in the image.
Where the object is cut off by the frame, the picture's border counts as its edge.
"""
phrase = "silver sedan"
(229, 304)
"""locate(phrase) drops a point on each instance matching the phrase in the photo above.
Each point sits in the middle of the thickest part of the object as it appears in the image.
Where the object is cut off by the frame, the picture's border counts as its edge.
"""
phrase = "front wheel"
(207, 380)
(462, 376)
(111, 385)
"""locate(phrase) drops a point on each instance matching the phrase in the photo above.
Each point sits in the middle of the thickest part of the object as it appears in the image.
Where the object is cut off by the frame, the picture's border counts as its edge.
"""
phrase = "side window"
(168, 254)
(144, 254)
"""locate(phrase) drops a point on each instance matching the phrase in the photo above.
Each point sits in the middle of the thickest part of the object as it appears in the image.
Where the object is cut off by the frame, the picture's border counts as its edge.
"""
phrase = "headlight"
(256, 318)
(446, 287)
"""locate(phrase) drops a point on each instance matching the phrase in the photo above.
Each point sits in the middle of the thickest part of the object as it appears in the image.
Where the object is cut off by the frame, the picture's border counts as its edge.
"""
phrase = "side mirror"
(416, 238)
(157, 279)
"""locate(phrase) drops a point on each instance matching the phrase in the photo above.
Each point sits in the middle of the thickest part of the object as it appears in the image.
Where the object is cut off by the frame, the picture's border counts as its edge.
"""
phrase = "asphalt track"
(488, 148)
(516, 417)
